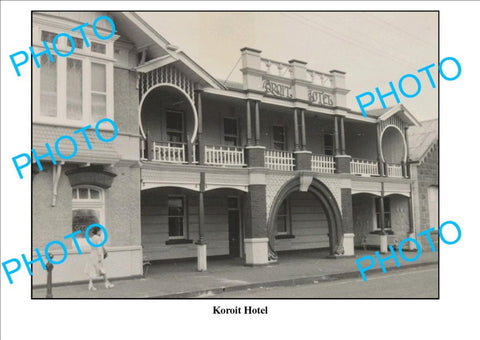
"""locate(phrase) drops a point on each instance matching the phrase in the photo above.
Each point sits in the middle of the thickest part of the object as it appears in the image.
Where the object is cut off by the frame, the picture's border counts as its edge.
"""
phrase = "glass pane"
(283, 209)
(233, 203)
(174, 121)
(175, 226)
(175, 207)
(99, 106)
(74, 89)
(278, 134)
(279, 146)
(386, 203)
(99, 76)
(48, 36)
(94, 194)
(74, 193)
(98, 48)
(328, 141)
(83, 192)
(230, 126)
(82, 218)
(78, 42)
(231, 141)
(175, 137)
(48, 86)
(388, 221)
(281, 224)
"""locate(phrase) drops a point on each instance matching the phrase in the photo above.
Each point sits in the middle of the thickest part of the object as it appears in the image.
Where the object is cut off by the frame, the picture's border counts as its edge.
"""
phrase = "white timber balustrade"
(323, 163)
(171, 152)
(394, 170)
(279, 160)
(363, 167)
(224, 155)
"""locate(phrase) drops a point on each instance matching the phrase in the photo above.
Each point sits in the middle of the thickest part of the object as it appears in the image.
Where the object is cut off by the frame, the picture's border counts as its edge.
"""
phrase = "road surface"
(419, 282)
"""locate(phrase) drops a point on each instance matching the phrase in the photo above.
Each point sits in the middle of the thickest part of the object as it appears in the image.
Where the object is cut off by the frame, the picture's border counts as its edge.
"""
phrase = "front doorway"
(234, 226)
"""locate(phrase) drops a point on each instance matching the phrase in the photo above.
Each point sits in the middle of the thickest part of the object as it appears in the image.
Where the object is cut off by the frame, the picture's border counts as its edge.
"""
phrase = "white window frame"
(94, 204)
(288, 220)
(87, 57)
(185, 214)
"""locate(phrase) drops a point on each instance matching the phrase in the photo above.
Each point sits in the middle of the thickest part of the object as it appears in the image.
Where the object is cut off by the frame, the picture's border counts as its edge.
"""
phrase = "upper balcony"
(231, 131)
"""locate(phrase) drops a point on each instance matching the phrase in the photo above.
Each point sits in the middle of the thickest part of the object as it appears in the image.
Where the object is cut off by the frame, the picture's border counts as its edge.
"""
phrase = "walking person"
(94, 266)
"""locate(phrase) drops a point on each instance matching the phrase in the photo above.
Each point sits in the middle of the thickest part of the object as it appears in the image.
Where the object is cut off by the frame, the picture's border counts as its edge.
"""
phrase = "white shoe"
(109, 285)
(91, 287)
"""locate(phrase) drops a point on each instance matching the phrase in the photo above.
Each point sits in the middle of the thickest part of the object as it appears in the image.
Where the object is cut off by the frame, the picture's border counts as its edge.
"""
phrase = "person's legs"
(90, 284)
(108, 284)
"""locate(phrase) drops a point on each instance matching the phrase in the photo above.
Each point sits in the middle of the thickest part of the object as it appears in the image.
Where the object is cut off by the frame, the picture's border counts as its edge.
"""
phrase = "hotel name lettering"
(285, 91)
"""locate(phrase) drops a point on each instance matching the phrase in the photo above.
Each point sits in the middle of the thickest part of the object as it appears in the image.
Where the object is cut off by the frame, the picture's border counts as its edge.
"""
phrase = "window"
(175, 129)
(48, 36)
(283, 219)
(176, 218)
(386, 209)
(328, 144)
(78, 43)
(230, 131)
(99, 91)
(98, 48)
(48, 86)
(87, 208)
(74, 89)
(279, 140)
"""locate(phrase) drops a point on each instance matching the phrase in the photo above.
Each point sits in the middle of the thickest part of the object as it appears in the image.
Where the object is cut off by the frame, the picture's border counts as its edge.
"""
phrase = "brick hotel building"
(200, 166)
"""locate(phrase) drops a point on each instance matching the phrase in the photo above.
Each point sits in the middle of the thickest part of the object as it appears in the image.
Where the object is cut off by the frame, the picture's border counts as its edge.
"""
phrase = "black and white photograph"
(219, 162)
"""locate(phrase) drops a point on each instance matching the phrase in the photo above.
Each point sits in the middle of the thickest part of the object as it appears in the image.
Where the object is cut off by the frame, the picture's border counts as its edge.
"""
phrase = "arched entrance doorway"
(325, 213)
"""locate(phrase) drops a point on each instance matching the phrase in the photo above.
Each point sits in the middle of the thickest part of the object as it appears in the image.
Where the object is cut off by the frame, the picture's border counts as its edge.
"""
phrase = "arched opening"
(315, 209)
(169, 119)
(393, 145)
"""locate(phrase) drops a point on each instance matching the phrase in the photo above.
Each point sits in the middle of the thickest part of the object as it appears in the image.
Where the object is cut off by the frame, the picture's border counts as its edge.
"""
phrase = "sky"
(373, 48)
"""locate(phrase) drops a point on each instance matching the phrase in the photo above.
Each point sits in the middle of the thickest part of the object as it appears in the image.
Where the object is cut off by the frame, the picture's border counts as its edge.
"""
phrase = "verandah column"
(411, 231)
(303, 158)
(342, 161)
(256, 234)
(381, 167)
(201, 144)
(201, 244)
(406, 164)
(257, 123)
(255, 154)
(383, 235)
(295, 129)
(249, 124)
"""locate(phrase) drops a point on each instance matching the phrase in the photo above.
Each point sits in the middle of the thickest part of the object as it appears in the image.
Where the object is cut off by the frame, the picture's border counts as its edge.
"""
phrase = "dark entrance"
(234, 223)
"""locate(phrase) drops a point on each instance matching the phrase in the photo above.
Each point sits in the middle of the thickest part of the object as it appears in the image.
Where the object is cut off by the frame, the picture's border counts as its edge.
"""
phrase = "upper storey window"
(76, 90)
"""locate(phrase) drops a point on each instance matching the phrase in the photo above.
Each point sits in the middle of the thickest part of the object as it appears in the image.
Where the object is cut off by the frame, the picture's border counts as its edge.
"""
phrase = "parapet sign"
(285, 91)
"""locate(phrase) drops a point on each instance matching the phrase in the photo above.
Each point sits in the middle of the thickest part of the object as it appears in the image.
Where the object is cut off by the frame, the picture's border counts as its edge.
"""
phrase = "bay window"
(76, 90)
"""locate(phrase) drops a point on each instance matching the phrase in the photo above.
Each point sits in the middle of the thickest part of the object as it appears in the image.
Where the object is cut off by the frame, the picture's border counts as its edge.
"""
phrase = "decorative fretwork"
(393, 120)
(167, 74)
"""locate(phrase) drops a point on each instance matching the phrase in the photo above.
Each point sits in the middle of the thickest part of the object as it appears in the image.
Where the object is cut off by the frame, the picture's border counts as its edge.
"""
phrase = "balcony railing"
(170, 152)
(224, 155)
(323, 163)
(279, 160)
(363, 167)
(394, 170)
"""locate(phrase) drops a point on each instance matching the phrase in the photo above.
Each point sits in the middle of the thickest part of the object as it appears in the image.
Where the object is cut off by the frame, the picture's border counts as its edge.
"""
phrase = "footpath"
(181, 280)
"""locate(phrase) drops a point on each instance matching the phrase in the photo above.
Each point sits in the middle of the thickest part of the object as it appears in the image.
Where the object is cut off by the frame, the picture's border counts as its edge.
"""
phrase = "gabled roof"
(161, 52)
(399, 110)
(422, 138)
